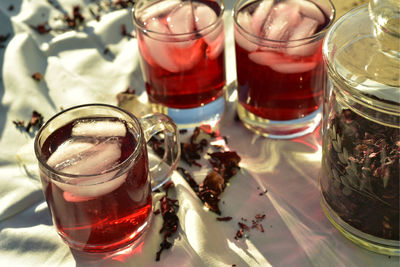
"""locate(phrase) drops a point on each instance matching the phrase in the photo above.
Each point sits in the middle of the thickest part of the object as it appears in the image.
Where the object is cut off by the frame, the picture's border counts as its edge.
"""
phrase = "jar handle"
(161, 170)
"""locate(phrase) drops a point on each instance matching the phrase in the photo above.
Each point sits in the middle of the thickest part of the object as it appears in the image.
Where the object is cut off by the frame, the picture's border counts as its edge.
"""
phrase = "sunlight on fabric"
(309, 157)
(314, 241)
(252, 255)
(267, 159)
(195, 238)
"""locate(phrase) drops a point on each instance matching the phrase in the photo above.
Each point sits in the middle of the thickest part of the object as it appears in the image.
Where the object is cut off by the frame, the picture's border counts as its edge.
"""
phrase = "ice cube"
(260, 16)
(323, 7)
(87, 156)
(180, 20)
(159, 50)
(244, 20)
(305, 29)
(186, 57)
(99, 128)
(83, 191)
(98, 158)
(216, 47)
(171, 55)
(281, 21)
(144, 51)
(214, 36)
(157, 10)
(204, 17)
(295, 67)
(68, 149)
(310, 9)
(267, 58)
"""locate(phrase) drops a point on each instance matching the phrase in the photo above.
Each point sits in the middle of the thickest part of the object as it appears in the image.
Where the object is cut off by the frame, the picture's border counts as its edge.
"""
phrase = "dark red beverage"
(280, 96)
(280, 71)
(183, 63)
(100, 206)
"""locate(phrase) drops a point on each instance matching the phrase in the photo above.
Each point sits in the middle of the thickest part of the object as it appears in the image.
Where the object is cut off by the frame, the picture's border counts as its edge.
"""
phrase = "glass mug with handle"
(95, 173)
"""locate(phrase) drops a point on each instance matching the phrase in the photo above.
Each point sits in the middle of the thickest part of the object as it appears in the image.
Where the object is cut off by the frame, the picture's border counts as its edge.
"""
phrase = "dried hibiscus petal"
(224, 219)
(210, 191)
(36, 122)
(37, 76)
(213, 181)
(76, 19)
(226, 163)
(188, 177)
(124, 32)
(42, 28)
(168, 208)
(190, 154)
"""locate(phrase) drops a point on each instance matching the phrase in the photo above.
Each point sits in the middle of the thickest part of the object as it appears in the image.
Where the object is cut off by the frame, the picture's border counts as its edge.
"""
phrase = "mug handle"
(161, 170)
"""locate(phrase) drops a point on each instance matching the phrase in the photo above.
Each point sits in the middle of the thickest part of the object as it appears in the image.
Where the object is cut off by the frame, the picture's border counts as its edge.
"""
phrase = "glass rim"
(62, 176)
(332, 17)
(181, 35)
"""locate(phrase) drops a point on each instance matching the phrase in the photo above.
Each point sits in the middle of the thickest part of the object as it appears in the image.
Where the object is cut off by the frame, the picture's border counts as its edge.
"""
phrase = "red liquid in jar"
(186, 73)
(107, 221)
(278, 86)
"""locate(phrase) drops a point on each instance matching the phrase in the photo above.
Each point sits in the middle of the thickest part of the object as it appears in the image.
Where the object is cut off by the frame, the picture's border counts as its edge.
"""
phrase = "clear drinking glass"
(181, 45)
(280, 72)
(94, 169)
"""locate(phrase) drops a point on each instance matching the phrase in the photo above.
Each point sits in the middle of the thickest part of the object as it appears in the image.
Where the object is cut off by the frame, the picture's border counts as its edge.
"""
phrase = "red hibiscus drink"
(95, 175)
(181, 44)
(280, 72)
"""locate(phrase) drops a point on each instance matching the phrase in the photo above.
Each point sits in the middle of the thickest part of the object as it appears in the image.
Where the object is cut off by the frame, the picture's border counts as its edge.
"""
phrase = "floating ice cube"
(204, 16)
(244, 20)
(267, 58)
(180, 20)
(157, 10)
(216, 47)
(99, 128)
(144, 50)
(159, 50)
(172, 55)
(99, 157)
(296, 67)
(260, 15)
(305, 29)
(91, 158)
(324, 7)
(310, 9)
(83, 192)
(214, 37)
(186, 57)
(282, 20)
(69, 149)
(280, 63)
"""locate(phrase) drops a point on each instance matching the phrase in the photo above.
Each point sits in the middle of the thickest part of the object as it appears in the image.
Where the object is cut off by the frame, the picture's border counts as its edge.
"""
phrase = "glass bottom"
(280, 129)
(372, 243)
(110, 249)
(210, 113)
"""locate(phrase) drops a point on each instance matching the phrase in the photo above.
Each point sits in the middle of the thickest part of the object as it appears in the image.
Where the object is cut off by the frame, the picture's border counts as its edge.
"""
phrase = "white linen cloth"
(75, 71)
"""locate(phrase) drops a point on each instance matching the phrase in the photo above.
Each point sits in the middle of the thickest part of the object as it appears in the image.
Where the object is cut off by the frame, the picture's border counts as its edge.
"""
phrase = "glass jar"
(360, 177)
